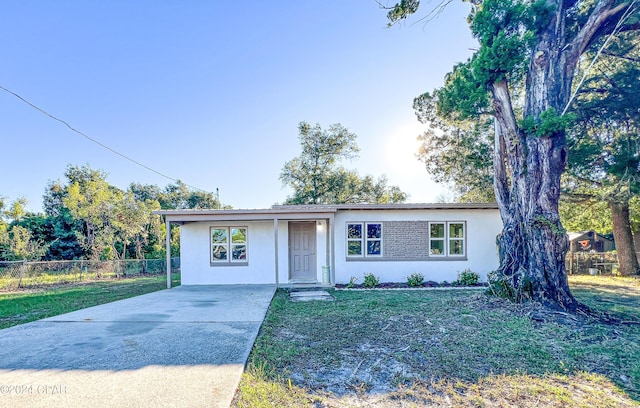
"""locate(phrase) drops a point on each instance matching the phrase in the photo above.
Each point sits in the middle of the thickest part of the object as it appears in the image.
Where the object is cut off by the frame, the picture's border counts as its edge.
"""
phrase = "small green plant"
(352, 282)
(516, 288)
(415, 280)
(467, 278)
(370, 280)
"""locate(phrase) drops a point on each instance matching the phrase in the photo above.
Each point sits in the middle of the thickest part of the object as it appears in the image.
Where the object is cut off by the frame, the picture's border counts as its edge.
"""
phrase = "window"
(354, 239)
(446, 239)
(456, 239)
(436, 239)
(374, 239)
(364, 239)
(228, 245)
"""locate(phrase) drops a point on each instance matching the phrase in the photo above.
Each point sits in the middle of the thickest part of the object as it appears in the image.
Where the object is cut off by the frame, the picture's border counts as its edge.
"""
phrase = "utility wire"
(94, 140)
(624, 16)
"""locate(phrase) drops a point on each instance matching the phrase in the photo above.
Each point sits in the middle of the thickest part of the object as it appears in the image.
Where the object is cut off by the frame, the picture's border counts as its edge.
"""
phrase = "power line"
(628, 12)
(94, 140)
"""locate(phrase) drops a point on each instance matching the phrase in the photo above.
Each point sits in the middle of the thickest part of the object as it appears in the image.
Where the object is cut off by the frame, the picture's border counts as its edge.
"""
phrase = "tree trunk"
(627, 259)
(533, 243)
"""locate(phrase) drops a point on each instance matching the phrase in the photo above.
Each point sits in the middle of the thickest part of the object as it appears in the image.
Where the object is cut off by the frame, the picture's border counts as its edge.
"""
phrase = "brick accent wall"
(405, 239)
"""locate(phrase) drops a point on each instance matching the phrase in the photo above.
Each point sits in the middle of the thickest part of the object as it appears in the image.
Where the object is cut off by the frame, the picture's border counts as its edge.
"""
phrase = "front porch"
(289, 248)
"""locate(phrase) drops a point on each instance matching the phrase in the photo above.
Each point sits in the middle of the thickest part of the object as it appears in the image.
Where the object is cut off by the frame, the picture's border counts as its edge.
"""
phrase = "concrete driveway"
(181, 347)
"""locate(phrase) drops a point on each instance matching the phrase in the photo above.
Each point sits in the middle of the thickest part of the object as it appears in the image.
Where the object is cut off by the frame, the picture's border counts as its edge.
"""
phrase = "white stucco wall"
(195, 247)
(482, 227)
(195, 261)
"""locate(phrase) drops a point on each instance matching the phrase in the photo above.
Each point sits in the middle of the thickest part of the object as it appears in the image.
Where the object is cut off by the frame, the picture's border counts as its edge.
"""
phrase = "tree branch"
(623, 57)
(593, 28)
(506, 144)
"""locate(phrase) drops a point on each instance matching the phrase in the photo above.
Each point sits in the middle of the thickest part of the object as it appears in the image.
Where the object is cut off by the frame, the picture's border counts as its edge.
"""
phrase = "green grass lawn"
(34, 304)
(446, 348)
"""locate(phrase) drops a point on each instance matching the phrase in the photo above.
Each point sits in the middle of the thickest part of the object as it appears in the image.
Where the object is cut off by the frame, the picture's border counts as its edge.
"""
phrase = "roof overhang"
(305, 212)
(243, 215)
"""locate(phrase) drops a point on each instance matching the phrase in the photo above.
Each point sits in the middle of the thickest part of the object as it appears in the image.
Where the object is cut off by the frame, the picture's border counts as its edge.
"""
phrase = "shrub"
(467, 278)
(498, 285)
(370, 280)
(502, 286)
(352, 282)
(415, 280)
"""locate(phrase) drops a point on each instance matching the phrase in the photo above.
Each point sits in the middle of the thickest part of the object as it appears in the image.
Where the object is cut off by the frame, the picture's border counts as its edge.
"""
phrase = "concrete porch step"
(309, 295)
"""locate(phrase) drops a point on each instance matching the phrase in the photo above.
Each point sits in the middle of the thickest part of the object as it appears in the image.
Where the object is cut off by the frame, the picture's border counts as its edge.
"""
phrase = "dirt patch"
(375, 352)
(427, 348)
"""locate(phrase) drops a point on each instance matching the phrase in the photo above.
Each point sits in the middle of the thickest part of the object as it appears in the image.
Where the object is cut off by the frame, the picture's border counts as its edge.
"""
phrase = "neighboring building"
(329, 244)
(589, 241)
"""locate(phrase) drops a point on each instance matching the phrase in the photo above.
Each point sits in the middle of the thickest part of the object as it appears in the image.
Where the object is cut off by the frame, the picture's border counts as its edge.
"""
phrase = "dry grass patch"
(439, 348)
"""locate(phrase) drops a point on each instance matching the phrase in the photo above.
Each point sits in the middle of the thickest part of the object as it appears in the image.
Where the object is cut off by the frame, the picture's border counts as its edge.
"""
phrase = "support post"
(167, 224)
(275, 241)
(332, 248)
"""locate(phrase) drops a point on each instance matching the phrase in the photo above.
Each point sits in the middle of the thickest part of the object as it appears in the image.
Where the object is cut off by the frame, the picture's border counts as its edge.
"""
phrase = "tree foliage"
(522, 75)
(85, 217)
(604, 160)
(457, 153)
(317, 176)
(602, 141)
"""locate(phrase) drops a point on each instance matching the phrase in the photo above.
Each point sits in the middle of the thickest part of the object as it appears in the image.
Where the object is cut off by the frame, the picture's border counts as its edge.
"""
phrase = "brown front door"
(302, 251)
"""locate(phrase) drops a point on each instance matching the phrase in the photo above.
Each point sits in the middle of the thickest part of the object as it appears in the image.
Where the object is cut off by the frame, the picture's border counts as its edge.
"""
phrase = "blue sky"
(211, 92)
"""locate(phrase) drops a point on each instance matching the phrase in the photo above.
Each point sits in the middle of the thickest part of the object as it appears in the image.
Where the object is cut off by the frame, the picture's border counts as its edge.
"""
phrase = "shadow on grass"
(459, 348)
(619, 297)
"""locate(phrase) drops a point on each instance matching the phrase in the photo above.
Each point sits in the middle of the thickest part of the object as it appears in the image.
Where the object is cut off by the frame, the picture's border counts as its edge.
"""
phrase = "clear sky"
(211, 92)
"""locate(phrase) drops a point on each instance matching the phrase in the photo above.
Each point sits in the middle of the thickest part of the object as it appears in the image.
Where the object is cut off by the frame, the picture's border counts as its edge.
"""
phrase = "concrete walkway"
(182, 347)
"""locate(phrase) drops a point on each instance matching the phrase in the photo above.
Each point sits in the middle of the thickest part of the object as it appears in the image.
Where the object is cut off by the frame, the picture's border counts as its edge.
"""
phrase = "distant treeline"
(87, 218)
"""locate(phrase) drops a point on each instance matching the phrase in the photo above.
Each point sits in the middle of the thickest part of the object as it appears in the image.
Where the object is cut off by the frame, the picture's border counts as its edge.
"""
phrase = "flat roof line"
(331, 208)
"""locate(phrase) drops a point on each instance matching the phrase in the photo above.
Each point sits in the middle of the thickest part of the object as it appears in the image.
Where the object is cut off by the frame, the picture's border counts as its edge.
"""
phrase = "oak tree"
(523, 74)
(317, 176)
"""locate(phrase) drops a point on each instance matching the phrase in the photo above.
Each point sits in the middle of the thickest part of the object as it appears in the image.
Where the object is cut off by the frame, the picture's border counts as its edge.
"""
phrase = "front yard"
(27, 305)
(446, 348)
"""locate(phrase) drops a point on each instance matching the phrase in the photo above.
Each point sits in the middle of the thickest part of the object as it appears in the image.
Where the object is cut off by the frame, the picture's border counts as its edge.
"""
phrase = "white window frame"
(367, 240)
(447, 239)
(359, 239)
(364, 240)
(462, 239)
(438, 239)
(229, 246)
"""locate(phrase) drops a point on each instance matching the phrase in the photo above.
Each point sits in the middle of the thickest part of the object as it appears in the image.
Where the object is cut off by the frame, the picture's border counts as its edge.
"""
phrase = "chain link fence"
(597, 263)
(23, 274)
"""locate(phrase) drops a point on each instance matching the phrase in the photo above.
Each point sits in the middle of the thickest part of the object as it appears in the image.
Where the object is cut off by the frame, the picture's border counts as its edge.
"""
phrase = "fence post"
(23, 269)
(570, 263)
